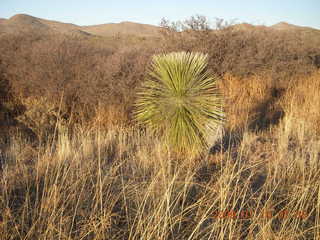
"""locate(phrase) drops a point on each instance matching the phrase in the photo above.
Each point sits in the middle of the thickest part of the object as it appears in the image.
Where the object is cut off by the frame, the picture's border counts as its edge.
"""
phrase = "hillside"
(288, 26)
(22, 23)
(126, 28)
(26, 23)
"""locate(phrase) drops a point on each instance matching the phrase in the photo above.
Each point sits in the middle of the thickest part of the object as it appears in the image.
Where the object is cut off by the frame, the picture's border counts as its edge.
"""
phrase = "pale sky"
(267, 12)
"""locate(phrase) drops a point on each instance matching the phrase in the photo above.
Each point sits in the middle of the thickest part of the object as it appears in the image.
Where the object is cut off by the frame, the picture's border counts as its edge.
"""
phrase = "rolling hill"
(126, 28)
(26, 23)
(288, 26)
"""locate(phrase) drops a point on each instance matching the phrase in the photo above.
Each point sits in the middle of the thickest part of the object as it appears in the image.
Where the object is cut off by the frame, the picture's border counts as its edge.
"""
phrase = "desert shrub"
(41, 116)
(4, 92)
(10, 109)
(244, 49)
(8, 104)
(179, 99)
(83, 74)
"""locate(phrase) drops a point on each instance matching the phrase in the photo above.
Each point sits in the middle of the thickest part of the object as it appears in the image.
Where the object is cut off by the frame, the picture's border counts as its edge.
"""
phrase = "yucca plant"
(180, 101)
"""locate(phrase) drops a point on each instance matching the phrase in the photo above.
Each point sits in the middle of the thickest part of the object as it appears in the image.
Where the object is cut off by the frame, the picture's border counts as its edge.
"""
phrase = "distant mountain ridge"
(288, 26)
(128, 28)
(284, 26)
(27, 23)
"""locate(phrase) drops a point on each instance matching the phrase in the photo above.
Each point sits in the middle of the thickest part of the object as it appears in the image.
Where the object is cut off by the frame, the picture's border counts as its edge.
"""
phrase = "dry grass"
(92, 175)
(122, 183)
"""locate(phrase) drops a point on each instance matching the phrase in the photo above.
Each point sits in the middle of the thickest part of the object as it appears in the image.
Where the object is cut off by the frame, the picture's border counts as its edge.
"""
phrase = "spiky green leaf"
(180, 100)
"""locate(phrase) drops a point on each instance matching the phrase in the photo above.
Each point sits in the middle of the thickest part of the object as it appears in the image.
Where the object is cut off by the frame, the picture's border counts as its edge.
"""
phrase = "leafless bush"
(82, 76)
(76, 74)
(243, 49)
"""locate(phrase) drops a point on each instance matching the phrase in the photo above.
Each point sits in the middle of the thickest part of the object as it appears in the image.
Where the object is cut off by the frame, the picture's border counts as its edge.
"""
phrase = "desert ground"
(75, 165)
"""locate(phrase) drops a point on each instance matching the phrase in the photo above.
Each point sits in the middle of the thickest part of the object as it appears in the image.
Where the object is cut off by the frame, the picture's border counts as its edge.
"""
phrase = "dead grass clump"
(252, 102)
(302, 100)
(122, 183)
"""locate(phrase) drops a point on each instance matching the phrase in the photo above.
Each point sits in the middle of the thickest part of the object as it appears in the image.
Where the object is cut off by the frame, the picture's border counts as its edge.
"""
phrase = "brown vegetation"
(74, 166)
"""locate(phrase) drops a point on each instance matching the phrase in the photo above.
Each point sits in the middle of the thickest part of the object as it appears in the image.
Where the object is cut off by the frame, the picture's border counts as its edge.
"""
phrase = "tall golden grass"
(121, 183)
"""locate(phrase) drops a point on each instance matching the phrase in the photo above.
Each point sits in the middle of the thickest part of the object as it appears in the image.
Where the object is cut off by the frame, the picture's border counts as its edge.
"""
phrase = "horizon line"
(124, 21)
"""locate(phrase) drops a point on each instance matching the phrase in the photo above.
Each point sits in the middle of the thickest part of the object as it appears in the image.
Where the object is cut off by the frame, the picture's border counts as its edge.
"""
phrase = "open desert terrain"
(75, 165)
